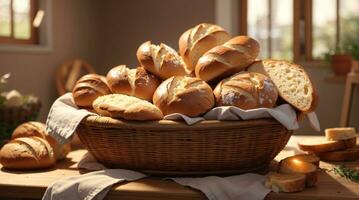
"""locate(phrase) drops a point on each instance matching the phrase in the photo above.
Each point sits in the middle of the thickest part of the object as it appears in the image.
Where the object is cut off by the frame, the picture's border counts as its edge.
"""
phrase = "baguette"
(126, 107)
(186, 95)
(246, 91)
(342, 133)
(278, 182)
(198, 40)
(296, 166)
(27, 153)
(341, 155)
(133, 82)
(225, 60)
(292, 82)
(323, 145)
(161, 60)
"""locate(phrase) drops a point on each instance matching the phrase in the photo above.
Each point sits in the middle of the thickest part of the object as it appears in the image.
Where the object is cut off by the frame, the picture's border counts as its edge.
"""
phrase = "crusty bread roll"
(161, 60)
(292, 82)
(224, 60)
(246, 91)
(133, 82)
(126, 107)
(296, 166)
(186, 95)
(341, 155)
(26, 153)
(278, 182)
(38, 129)
(341, 133)
(322, 145)
(88, 88)
(198, 40)
(310, 158)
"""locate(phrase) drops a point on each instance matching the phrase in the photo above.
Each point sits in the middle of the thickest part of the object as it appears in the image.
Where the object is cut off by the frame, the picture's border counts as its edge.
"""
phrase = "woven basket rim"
(103, 122)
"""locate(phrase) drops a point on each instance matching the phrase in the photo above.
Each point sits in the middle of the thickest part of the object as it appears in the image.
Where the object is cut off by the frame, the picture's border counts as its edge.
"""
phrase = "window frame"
(11, 40)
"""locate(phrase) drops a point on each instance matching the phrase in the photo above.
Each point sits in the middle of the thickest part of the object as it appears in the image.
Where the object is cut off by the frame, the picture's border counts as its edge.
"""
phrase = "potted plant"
(354, 51)
(340, 60)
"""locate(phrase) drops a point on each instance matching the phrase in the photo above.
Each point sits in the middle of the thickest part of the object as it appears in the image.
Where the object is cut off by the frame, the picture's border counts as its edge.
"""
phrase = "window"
(16, 18)
(299, 29)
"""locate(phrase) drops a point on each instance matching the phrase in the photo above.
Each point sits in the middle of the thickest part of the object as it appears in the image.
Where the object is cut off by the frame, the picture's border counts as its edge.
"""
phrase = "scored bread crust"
(88, 88)
(186, 95)
(341, 155)
(296, 166)
(279, 182)
(246, 91)
(285, 93)
(161, 60)
(26, 153)
(134, 82)
(323, 145)
(340, 133)
(226, 59)
(126, 107)
(196, 41)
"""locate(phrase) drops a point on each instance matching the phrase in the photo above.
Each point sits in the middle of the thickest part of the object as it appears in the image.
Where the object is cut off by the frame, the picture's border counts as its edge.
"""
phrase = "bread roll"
(133, 82)
(310, 158)
(224, 60)
(198, 40)
(161, 60)
(246, 91)
(323, 145)
(341, 133)
(341, 155)
(27, 153)
(186, 95)
(278, 182)
(292, 82)
(38, 129)
(296, 166)
(126, 107)
(88, 88)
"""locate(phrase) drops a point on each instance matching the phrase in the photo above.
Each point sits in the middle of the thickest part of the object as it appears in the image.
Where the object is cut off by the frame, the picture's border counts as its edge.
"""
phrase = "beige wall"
(107, 33)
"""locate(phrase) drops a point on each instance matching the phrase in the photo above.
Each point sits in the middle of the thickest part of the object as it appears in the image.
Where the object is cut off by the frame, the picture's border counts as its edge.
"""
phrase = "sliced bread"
(292, 82)
(341, 133)
(323, 145)
(278, 182)
(340, 156)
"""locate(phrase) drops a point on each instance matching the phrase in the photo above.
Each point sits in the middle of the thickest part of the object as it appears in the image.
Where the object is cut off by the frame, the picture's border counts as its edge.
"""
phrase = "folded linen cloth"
(95, 185)
(65, 116)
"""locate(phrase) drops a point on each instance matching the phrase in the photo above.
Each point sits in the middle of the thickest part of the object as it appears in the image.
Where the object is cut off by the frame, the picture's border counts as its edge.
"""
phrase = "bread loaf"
(341, 155)
(133, 82)
(88, 88)
(323, 145)
(26, 153)
(296, 166)
(278, 182)
(341, 133)
(38, 129)
(161, 60)
(310, 158)
(224, 60)
(186, 95)
(246, 91)
(198, 40)
(292, 82)
(126, 107)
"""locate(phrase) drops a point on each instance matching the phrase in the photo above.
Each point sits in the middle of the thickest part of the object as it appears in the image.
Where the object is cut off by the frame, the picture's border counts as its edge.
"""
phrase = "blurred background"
(38, 36)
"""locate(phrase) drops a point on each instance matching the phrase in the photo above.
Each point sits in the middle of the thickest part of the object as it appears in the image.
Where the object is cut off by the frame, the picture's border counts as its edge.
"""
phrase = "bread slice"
(323, 145)
(339, 156)
(285, 182)
(296, 166)
(292, 82)
(310, 158)
(341, 133)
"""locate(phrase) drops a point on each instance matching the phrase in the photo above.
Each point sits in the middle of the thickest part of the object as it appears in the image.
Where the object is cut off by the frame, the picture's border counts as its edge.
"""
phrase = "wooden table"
(33, 184)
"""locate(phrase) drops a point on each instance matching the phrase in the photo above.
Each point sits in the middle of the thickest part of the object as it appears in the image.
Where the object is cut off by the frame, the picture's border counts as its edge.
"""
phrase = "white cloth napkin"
(65, 116)
(95, 185)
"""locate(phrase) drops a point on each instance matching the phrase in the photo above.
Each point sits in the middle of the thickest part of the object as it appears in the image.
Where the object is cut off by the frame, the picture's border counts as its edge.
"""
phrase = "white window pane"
(5, 24)
(282, 29)
(22, 25)
(258, 24)
(324, 27)
(349, 21)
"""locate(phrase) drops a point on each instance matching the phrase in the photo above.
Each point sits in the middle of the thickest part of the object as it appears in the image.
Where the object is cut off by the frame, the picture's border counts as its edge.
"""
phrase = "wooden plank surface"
(33, 184)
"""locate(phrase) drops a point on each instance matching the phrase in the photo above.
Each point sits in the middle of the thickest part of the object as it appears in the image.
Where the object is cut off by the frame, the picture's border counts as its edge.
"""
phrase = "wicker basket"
(174, 148)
